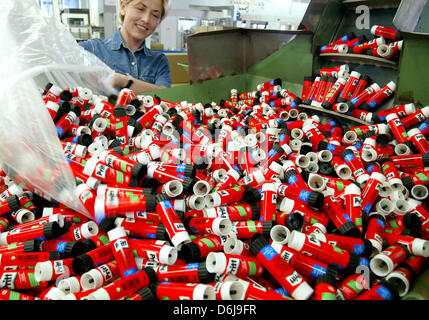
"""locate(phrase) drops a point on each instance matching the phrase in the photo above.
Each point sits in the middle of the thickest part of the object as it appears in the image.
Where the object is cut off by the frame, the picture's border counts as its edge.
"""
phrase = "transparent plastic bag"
(36, 48)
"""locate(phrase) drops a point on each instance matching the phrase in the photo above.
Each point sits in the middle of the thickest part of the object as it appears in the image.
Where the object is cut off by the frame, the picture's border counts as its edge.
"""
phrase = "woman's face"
(141, 17)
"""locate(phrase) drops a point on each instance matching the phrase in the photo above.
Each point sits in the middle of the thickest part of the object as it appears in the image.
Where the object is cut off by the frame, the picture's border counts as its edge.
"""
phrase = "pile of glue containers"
(251, 198)
(387, 44)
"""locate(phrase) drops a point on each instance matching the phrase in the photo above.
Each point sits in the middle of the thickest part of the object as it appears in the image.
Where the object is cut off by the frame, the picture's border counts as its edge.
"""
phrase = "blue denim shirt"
(143, 64)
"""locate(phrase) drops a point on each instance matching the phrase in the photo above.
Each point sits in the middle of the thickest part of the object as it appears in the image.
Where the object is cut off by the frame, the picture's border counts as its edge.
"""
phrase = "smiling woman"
(136, 67)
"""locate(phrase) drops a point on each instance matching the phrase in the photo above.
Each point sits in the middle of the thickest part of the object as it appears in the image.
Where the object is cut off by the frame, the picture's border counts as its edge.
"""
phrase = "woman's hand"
(119, 80)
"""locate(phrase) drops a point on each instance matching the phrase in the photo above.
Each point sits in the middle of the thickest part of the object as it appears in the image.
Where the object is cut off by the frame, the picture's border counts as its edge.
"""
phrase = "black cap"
(82, 263)
(151, 202)
(346, 152)
(196, 114)
(326, 278)
(278, 148)
(161, 233)
(323, 145)
(54, 255)
(134, 182)
(308, 78)
(410, 145)
(190, 171)
(161, 197)
(382, 140)
(289, 173)
(332, 271)
(171, 112)
(85, 139)
(151, 274)
(251, 195)
(107, 224)
(89, 244)
(368, 248)
(138, 171)
(425, 159)
(13, 202)
(201, 163)
(77, 111)
(66, 95)
(135, 102)
(191, 252)
(256, 211)
(257, 243)
(74, 248)
(177, 120)
(65, 106)
(392, 287)
(33, 246)
(407, 182)
(326, 168)
(327, 105)
(118, 150)
(119, 111)
(349, 229)
(305, 175)
(146, 294)
(316, 199)
(354, 262)
(350, 105)
(188, 184)
(277, 82)
(305, 148)
(368, 134)
(204, 276)
(412, 221)
(52, 230)
(267, 226)
(112, 99)
(294, 221)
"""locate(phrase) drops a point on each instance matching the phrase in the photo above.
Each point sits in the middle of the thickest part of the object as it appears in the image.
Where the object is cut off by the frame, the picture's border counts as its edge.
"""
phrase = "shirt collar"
(118, 41)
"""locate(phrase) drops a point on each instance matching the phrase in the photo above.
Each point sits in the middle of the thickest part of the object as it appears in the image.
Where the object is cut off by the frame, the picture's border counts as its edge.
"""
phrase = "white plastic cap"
(211, 200)
(303, 292)
(69, 285)
(203, 292)
(168, 255)
(116, 233)
(180, 238)
(420, 247)
(55, 294)
(91, 280)
(355, 74)
(43, 271)
(216, 262)
(352, 189)
(172, 188)
(402, 283)
(280, 234)
(24, 215)
(391, 116)
(373, 28)
(221, 226)
(381, 265)
(316, 182)
(296, 240)
(100, 294)
(232, 290)
(89, 229)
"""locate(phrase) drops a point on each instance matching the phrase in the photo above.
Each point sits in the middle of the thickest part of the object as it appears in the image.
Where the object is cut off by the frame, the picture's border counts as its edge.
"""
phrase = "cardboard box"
(179, 74)
(157, 46)
(217, 28)
(201, 29)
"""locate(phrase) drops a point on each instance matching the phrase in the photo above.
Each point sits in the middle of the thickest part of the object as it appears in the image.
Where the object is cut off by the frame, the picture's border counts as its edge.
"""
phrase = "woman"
(136, 67)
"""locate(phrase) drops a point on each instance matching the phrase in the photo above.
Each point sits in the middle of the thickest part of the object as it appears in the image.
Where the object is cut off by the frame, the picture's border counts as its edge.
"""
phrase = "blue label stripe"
(61, 246)
(317, 271)
(358, 249)
(268, 252)
(192, 266)
(304, 195)
(384, 293)
(349, 157)
(130, 272)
